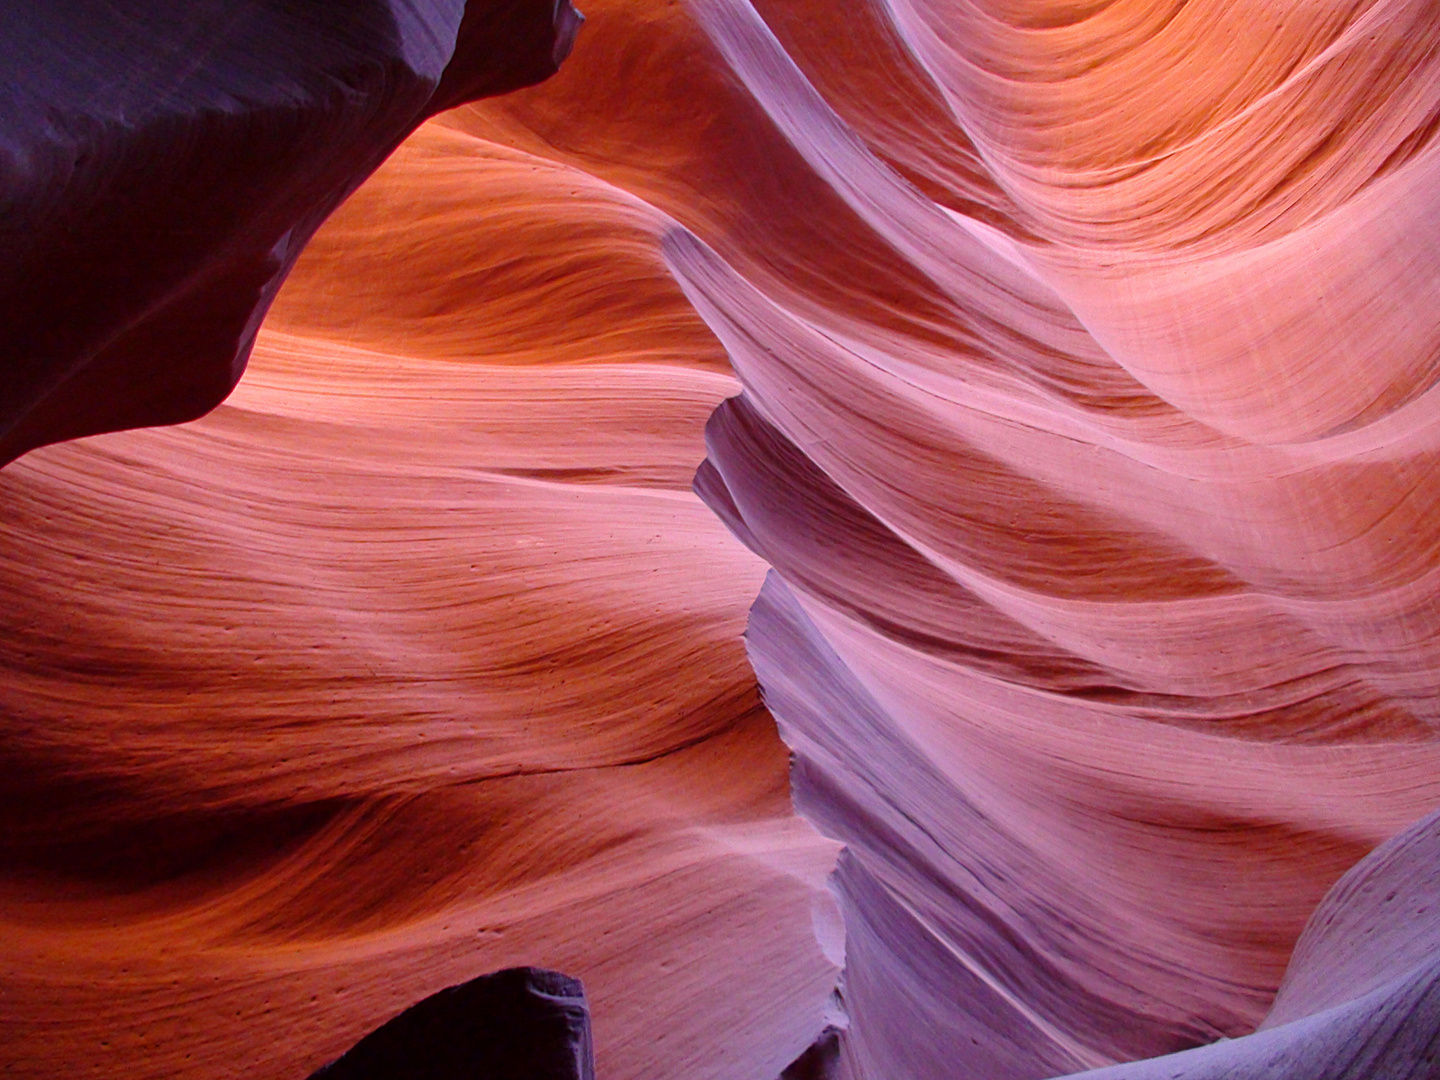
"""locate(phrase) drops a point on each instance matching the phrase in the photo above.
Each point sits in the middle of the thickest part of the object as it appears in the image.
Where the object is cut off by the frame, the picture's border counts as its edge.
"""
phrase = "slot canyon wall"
(1069, 365)
(414, 660)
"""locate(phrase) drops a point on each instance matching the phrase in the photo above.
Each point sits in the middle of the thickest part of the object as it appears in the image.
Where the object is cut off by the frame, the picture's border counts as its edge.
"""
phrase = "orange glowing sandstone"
(1088, 425)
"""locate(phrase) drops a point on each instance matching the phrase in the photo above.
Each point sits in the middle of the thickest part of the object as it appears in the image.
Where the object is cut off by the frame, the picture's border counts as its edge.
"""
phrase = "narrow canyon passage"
(1047, 393)
(417, 658)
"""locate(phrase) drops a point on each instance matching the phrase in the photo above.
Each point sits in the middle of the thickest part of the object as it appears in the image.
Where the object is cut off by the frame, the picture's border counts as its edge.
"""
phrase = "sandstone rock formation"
(1362, 995)
(415, 659)
(1088, 426)
(164, 166)
(1105, 625)
(521, 1022)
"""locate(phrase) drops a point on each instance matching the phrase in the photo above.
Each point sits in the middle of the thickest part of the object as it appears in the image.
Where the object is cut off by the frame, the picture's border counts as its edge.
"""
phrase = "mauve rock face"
(1104, 617)
(521, 1022)
(1361, 998)
(1080, 365)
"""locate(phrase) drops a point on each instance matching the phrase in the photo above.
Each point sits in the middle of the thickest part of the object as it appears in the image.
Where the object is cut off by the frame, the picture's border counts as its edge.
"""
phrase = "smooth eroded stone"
(163, 165)
(1361, 999)
(519, 1024)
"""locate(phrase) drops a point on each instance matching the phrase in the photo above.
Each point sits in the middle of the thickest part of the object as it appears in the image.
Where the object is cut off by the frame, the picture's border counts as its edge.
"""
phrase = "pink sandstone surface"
(1070, 365)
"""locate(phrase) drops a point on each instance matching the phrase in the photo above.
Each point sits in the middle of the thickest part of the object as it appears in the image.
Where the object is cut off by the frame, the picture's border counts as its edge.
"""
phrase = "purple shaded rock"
(1008, 1009)
(820, 1061)
(1361, 998)
(1380, 923)
(961, 942)
(518, 1024)
(164, 164)
(966, 948)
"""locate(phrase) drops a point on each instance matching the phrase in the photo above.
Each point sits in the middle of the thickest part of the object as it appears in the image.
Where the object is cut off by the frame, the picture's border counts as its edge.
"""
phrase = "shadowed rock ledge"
(521, 1022)
(163, 166)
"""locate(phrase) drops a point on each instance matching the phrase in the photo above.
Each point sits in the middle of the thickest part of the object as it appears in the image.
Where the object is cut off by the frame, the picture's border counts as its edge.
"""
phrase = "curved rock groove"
(1103, 631)
(1072, 367)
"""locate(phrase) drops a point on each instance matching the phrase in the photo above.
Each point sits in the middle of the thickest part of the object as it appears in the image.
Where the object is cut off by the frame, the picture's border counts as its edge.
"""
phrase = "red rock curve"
(414, 660)
(1087, 355)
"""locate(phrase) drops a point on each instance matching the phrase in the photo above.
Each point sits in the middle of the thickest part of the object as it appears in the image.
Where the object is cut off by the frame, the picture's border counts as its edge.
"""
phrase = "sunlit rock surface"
(1087, 424)
(414, 660)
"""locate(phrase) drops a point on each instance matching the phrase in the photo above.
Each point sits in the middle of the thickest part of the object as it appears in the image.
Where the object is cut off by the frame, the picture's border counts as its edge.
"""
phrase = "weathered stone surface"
(164, 165)
(1084, 365)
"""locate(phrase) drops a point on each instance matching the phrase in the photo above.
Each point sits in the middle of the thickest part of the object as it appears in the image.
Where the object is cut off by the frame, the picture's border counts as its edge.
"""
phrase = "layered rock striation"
(1103, 621)
(1361, 997)
(416, 658)
(1085, 416)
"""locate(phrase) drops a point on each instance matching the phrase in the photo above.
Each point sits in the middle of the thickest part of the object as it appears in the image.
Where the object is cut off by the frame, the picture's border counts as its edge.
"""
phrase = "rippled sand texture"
(416, 659)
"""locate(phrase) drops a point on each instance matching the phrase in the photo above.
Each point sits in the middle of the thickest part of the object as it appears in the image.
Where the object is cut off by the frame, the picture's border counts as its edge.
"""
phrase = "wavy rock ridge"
(1087, 423)
(1105, 620)
(413, 660)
